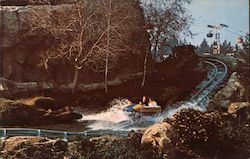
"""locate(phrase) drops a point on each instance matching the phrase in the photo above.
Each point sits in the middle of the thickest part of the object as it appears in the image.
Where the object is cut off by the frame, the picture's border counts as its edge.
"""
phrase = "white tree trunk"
(75, 80)
(144, 70)
(106, 73)
(107, 49)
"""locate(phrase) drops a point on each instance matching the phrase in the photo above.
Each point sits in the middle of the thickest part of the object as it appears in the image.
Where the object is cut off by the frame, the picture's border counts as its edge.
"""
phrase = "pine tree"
(204, 47)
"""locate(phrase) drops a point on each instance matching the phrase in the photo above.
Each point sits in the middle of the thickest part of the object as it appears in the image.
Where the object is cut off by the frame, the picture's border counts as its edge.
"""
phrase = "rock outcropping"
(21, 50)
(34, 111)
(105, 147)
(232, 92)
(34, 147)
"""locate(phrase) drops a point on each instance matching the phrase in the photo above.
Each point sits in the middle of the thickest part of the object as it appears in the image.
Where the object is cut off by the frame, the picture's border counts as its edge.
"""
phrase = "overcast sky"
(234, 13)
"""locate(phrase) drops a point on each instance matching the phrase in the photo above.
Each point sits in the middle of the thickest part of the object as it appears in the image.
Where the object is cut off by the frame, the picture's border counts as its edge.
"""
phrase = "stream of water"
(115, 120)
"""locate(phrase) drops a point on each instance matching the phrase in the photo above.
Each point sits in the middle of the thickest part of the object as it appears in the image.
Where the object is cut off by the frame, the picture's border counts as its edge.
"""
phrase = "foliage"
(244, 67)
(204, 47)
(226, 47)
(165, 20)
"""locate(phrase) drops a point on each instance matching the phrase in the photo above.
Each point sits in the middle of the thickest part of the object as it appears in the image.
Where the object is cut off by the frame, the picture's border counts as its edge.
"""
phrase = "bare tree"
(88, 36)
(165, 20)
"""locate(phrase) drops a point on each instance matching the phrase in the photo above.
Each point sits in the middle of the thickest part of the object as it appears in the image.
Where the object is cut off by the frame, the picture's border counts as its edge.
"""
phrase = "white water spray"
(108, 118)
(115, 119)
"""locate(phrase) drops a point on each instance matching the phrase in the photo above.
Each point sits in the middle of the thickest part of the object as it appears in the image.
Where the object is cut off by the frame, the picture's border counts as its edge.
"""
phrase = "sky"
(234, 13)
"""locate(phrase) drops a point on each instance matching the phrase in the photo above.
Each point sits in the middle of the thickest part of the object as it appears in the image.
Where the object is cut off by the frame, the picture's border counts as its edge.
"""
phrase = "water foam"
(108, 119)
(115, 119)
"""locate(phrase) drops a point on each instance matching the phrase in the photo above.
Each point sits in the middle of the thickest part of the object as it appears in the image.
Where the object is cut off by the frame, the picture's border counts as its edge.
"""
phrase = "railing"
(7, 132)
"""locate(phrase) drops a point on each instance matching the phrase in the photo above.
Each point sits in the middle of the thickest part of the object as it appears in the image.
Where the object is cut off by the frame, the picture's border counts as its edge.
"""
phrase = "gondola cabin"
(239, 40)
(210, 34)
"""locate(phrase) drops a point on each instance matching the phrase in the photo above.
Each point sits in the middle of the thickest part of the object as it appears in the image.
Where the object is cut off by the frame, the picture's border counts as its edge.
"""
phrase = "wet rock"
(34, 112)
(56, 117)
(14, 113)
(42, 103)
(33, 147)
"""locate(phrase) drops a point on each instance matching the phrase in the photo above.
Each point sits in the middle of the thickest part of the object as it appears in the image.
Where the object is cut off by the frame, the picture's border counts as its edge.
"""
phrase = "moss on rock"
(41, 103)
(13, 113)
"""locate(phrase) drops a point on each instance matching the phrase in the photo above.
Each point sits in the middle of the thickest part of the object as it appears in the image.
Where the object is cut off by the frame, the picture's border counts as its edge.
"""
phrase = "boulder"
(233, 91)
(136, 136)
(14, 113)
(236, 106)
(41, 103)
(241, 110)
(54, 118)
(108, 147)
(158, 136)
(34, 147)
(38, 110)
(194, 127)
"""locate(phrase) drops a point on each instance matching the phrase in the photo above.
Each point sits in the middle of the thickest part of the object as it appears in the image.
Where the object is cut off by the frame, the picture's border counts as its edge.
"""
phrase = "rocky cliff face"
(21, 52)
(232, 92)
(35, 111)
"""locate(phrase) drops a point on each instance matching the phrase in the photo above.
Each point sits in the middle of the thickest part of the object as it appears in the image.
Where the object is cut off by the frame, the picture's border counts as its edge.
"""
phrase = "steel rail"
(225, 71)
(7, 132)
(210, 81)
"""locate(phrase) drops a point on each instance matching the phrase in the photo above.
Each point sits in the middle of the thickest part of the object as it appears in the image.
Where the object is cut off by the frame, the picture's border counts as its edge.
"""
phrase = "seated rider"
(144, 101)
(152, 103)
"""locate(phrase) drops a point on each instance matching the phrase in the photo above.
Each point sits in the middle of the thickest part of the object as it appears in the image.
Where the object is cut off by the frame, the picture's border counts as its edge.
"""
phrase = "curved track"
(216, 74)
(220, 71)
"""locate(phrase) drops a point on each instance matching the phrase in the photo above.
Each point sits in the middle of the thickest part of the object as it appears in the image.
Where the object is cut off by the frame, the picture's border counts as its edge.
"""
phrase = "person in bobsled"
(152, 103)
(145, 101)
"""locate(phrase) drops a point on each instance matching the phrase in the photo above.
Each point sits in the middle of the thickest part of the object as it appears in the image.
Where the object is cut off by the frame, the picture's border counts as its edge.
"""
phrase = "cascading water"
(115, 119)
(107, 119)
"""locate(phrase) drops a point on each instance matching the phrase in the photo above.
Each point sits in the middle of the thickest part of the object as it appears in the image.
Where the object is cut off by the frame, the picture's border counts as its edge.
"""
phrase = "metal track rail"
(199, 96)
(221, 71)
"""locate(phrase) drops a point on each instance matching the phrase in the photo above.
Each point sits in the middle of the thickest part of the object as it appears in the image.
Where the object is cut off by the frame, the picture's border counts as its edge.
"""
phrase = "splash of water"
(108, 118)
(115, 119)
(185, 105)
